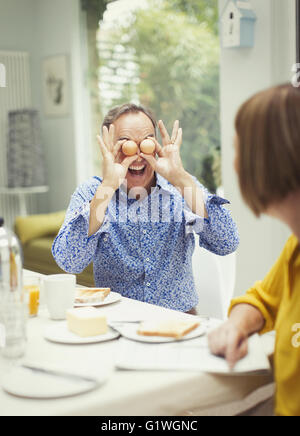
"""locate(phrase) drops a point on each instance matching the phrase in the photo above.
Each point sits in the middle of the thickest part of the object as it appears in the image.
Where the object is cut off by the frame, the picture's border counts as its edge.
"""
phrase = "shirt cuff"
(84, 213)
(197, 224)
(211, 201)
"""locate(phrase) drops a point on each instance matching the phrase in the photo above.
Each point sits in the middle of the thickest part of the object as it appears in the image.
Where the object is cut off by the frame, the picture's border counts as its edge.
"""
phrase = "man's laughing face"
(136, 127)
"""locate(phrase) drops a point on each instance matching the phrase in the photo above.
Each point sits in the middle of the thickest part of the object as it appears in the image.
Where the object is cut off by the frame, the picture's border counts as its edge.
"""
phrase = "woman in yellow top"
(268, 167)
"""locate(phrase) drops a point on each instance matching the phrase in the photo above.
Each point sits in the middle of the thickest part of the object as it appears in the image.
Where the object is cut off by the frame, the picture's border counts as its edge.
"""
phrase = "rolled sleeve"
(73, 249)
(267, 295)
(193, 222)
(253, 300)
(218, 232)
(83, 213)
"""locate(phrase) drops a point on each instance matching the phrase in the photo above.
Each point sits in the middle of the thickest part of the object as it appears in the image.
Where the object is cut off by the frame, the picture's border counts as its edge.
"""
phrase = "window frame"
(298, 31)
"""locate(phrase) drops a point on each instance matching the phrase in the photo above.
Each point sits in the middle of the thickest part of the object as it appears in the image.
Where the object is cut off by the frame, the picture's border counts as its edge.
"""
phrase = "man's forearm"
(99, 205)
(192, 194)
(247, 317)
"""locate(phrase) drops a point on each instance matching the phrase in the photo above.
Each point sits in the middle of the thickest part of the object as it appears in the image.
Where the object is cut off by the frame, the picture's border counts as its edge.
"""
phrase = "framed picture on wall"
(56, 86)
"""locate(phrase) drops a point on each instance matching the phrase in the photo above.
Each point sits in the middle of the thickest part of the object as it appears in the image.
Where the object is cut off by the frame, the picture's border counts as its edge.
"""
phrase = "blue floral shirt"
(144, 248)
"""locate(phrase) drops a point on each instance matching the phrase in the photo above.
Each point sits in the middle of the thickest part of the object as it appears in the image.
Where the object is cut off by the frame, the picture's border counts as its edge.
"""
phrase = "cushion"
(39, 250)
(38, 257)
(36, 226)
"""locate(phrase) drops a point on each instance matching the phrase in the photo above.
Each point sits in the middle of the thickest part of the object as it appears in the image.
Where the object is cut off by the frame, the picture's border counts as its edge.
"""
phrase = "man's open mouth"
(137, 170)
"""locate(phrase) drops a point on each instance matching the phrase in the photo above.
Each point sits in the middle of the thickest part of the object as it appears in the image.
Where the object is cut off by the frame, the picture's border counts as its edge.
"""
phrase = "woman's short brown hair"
(126, 108)
(268, 149)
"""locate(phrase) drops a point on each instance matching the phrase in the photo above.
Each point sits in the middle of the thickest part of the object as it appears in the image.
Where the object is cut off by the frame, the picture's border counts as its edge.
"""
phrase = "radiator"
(16, 95)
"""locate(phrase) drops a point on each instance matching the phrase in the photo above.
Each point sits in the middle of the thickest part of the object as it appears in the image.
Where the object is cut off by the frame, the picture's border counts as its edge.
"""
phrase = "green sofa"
(36, 234)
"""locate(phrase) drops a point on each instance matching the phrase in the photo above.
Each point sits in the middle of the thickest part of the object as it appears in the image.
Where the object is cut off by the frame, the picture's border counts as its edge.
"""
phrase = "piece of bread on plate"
(91, 295)
(169, 328)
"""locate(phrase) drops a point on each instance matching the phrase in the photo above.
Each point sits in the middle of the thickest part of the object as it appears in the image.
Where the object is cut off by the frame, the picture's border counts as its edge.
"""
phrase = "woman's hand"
(168, 164)
(229, 341)
(114, 170)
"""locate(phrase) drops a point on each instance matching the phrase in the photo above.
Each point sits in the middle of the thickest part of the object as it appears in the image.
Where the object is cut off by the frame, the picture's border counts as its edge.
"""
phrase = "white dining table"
(124, 393)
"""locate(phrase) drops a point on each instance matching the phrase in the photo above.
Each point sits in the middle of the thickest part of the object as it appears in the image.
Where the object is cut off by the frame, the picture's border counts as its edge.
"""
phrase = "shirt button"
(147, 259)
(144, 231)
(148, 284)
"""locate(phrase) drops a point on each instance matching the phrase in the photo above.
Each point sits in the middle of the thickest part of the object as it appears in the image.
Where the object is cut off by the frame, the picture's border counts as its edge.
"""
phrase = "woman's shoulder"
(291, 246)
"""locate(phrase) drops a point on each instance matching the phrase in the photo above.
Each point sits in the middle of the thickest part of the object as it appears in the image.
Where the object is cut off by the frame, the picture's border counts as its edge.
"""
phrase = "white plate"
(129, 331)
(112, 297)
(60, 333)
(26, 383)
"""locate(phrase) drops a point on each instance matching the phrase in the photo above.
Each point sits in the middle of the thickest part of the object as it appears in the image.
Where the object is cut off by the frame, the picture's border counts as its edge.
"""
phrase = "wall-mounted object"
(25, 154)
(237, 24)
(56, 86)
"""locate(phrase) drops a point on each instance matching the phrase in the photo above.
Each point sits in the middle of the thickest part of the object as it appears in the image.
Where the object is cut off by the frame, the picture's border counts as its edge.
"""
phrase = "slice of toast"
(91, 295)
(169, 328)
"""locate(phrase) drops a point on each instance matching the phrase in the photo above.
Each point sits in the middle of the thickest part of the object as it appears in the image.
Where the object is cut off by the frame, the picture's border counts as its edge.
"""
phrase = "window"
(298, 30)
(165, 54)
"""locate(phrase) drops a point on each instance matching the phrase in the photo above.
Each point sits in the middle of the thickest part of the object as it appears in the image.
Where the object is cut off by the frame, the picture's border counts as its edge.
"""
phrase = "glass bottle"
(12, 306)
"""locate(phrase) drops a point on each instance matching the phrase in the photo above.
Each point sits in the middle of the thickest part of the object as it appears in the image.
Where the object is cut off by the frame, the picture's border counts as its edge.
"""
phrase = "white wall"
(16, 28)
(16, 24)
(244, 72)
(46, 28)
(58, 31)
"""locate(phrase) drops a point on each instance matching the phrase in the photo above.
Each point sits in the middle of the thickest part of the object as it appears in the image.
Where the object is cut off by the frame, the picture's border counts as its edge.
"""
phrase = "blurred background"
(165, 55)
(67, 62)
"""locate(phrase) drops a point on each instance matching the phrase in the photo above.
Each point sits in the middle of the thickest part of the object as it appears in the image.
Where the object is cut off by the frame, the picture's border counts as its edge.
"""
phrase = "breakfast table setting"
(70, 368)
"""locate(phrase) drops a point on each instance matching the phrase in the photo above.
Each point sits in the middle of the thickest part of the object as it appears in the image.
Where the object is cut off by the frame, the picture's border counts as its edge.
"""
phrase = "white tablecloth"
(126, 393)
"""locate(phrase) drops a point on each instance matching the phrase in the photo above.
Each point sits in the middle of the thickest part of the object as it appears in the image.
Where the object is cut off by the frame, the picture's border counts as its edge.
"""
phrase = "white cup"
(60, 292)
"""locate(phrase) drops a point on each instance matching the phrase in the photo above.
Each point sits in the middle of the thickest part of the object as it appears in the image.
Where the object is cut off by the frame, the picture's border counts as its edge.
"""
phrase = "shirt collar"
(162, 183)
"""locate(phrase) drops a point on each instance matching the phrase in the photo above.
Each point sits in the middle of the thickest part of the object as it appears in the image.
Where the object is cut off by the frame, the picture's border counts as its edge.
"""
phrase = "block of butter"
(86, 321)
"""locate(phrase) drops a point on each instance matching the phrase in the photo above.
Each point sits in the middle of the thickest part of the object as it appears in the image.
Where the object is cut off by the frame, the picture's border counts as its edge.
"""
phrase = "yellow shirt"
(278, 299)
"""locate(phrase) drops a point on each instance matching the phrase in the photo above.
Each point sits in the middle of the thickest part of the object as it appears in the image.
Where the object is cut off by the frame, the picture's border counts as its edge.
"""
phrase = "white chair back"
(215, 280)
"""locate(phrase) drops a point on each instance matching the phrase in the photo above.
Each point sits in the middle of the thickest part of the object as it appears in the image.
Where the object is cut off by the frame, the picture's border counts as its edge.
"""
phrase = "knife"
(60, 374)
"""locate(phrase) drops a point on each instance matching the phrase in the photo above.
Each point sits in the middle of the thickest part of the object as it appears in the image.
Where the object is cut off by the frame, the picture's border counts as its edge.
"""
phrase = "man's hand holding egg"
(114, 170)
(168, 164)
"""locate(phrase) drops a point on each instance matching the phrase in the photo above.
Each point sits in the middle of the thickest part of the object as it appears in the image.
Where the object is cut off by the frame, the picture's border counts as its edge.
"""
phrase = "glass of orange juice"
(31, 287)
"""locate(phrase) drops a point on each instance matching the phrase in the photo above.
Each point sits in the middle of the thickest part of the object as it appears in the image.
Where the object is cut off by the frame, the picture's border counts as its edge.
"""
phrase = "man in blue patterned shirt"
(137, 223)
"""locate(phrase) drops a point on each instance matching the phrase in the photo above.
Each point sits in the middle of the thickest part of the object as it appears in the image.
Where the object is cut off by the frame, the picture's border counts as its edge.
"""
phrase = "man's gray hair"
(126, 108)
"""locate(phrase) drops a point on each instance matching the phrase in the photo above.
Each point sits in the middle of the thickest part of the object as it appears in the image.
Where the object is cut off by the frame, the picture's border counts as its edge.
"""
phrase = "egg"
(129, 148)
(147, 146)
